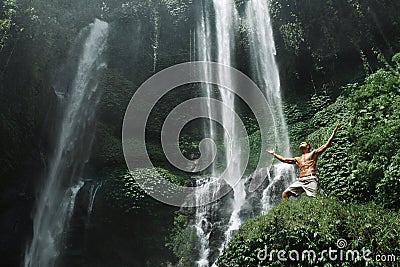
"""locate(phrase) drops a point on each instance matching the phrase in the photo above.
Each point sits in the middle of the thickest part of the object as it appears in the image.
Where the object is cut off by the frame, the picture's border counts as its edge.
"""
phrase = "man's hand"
(270, 151)
(324, 147)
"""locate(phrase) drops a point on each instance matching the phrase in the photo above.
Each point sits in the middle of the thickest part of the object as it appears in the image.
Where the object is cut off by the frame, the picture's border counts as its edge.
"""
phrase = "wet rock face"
(16, 203)
(74, 248)
(255, 184)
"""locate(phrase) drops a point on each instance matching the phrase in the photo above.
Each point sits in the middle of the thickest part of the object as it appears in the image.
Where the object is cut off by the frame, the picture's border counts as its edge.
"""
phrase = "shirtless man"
(307, 182)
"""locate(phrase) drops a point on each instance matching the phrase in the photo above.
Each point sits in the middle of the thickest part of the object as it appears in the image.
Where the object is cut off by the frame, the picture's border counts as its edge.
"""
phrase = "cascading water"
(202, 222)
(203, 37)
(72, 148)
(215, 42)
(225, 17)
(266, 74)
(207, 187)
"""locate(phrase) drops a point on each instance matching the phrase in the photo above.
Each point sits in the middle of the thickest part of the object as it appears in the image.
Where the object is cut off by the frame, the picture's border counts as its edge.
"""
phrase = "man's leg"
(286, 194)
(294, 189)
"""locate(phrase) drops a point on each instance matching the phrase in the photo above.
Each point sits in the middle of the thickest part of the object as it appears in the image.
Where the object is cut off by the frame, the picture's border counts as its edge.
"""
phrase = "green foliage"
(304, 110)
(154, 150)
(357, 9)
(125, 193)
(293, 35)
(318, 42)
(387, 188)
(178, 9)
(107, 150)
(337, 175)
(396, 59)
(375, 107)
(188, 147)
(182, 240)
(117, 92)
(315, 224)
(7, 19)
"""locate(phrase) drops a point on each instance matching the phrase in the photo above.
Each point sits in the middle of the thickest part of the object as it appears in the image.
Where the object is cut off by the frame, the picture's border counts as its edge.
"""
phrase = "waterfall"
(56, 199)
(202, 222)
(215, 33)
(225, 17)
(266, 74)
(203, 37)
(221, 51)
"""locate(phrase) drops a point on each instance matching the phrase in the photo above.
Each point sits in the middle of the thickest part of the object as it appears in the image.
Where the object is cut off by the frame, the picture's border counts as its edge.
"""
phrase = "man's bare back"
(306, 162)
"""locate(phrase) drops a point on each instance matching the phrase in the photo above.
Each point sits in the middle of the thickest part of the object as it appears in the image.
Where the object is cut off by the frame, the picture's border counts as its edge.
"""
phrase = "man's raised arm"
(324, 147)
(283, 159)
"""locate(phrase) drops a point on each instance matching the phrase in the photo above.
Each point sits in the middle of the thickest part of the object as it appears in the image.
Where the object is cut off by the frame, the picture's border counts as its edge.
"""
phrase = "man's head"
(304, 147)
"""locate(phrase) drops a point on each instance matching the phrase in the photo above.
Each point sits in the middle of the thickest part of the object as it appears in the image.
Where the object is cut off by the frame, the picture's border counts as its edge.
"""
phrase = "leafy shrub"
(178, 9)
(107, 149)
(293, 35)
(387, 188)
(375, 120)
(182, 240)
(125, 193)
(315, 224)
(117, 91)
(7, 17)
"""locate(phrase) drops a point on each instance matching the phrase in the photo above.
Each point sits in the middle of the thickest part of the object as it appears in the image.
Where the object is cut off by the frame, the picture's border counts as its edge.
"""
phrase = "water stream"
(56, 197)
(266, 74)
(220, 50)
